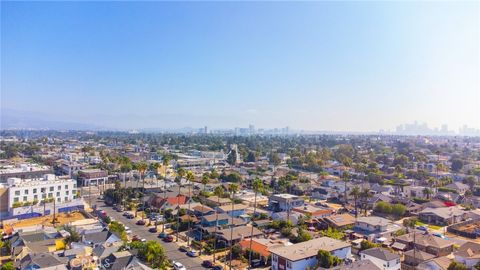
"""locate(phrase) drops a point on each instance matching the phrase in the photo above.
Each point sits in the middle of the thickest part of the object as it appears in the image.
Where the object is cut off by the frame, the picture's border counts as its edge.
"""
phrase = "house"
(372, 224)
(442, 216)
(358, 265)
(384, 190)
(37, 242)
(284, 202)
(302, 255)
(262, 246)
(44, 261)
(236, 210)
(382, 258)
(413, 258)
(122, 260)
(202, 210)
(292, 216)
(210, 220)
(339, 221)
(98, 238)
(235, 235)
(427, 243)
(468, 254)
(169, 202)
(440, 263)
(313, 211)
(214, 201)
(460, 187)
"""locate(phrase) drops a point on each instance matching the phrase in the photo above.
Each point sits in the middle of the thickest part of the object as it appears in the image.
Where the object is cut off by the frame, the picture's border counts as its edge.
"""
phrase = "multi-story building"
(35, 190)
(94, 177)
(284, 202)
(23, 171)
(23, 197)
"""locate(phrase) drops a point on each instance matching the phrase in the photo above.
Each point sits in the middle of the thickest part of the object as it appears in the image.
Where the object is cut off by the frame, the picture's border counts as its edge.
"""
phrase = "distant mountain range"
(13, 119)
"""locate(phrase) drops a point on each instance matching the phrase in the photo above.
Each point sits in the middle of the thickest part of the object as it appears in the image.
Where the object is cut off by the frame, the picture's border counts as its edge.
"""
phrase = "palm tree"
(427, 192)
(165, 162)
(190, 178)
(142, 168)
(365, 195)
(181, 173)
(233, 188)
(346, 178)
(154, 167)
(355, 193)
(205, 180)
(218, 192)
(257, 186)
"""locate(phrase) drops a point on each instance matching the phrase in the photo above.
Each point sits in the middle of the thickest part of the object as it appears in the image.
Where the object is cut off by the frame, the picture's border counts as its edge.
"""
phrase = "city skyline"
(312, 66)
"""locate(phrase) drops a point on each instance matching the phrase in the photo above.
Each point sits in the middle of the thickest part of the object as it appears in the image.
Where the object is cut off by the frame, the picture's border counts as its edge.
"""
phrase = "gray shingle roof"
(381, 254)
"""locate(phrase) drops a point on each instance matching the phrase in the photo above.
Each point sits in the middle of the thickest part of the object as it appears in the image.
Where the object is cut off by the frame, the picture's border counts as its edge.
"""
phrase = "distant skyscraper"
(205, 130)
(251, 129)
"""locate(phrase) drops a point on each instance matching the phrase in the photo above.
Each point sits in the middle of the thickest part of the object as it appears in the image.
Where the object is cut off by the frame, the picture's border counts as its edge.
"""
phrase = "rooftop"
(309, 248)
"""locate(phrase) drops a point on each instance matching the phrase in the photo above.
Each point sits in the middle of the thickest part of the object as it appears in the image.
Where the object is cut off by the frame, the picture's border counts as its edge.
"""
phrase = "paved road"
(142, 231)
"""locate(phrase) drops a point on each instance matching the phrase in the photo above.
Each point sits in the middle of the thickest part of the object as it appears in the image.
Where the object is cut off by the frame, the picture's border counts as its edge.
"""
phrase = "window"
(17, 192)
(59, 200)
(66, 192)
(50, 195)
(59, 187)
(42, 190)
(74, 185)
(66, 199)
(35, 197)
(66, 186)
(43, 196)
(51, 188)
(15, 199)
(289, 264)
(34, 190)
(24, 198)
(25, 191)
(58, 194)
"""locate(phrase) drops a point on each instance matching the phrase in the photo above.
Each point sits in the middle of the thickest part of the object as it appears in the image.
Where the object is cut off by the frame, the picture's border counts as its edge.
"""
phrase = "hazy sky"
(345, 66)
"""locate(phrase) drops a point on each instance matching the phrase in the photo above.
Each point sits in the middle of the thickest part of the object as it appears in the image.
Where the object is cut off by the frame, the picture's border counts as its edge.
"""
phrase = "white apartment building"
(34, 190)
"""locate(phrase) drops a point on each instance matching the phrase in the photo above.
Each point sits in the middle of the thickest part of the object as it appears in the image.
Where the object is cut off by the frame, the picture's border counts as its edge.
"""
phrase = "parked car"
(162, 235)
(218, 267)
(141, 222)
(183, 248)
(168, 238)
(422, 228)
(207, 264)
(153, 230)
(256, 263)
(178, 266)
(193, 253)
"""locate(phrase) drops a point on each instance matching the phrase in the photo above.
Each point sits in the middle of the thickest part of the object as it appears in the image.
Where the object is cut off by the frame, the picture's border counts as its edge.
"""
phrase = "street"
(142, 231)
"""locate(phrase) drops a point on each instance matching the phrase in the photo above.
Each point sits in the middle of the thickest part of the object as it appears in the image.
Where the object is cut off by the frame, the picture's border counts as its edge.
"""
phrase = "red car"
(169, 238)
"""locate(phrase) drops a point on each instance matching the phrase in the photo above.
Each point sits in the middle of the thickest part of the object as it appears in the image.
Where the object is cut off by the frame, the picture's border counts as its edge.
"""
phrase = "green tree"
(345, 178)
(355, 193)
(155, 255)
(257, 186)
(327, 260)
(365, 244)
(398, 210)
(232, 157)
(457, 165)
(456, 266)
(8, 266)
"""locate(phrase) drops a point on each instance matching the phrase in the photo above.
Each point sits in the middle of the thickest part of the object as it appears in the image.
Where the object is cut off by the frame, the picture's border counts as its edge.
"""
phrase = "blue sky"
(346, 66)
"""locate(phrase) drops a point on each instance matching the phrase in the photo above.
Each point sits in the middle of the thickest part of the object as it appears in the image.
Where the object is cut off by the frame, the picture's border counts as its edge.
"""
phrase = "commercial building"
(24, 195)
(23, 171)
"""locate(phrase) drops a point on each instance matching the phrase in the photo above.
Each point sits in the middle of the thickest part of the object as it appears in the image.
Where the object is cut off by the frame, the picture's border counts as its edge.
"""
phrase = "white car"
(178, 266)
